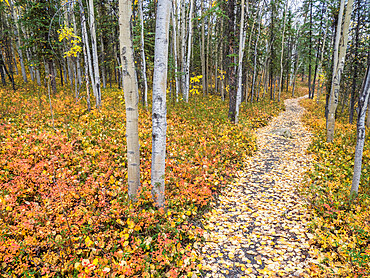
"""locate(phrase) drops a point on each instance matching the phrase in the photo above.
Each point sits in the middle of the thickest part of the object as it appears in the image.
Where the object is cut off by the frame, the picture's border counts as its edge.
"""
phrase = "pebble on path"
(259, 226)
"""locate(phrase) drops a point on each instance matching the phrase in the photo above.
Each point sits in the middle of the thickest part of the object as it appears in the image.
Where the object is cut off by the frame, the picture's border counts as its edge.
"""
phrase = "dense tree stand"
(259, 226)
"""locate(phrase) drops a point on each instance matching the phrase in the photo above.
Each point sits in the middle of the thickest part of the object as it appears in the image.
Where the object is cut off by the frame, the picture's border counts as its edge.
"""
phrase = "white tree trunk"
(338, 65)
(18, 42)
(187, 69)
(143, 63)
(131, 92)
(87, 82)
(183, 47)
(159, 102)
(282, 48)
(85, 41)
(242, 35)
(202, 57)
(95, 54)
(175, 19)
(363, 102)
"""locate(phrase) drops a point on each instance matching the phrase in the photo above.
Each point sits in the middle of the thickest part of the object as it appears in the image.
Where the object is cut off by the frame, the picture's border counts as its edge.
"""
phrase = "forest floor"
(259, 227)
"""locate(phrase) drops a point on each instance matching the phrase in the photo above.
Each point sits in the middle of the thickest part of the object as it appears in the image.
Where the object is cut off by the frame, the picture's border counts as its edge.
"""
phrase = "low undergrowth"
(64, 210)
(341, 229)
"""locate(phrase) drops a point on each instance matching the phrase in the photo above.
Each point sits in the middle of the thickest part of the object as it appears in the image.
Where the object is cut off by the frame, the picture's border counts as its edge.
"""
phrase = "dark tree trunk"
(2, 73)
(52, 77)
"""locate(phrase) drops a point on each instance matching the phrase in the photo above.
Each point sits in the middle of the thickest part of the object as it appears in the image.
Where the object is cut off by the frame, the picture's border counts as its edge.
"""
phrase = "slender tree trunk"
(230, 59)
(183, 48)
(282, 49)
(131, 93)
(355, 66)
(255, 73)
(52, 77)
(310, 95)
(159, 102)
(187, 69)
(338, 68)
(222, 76)
(85, 41)
(240, 63)
(103, 69)
(175, 19)
(142, 47)
(96, 83)
(87, 81)
(202, 57)
(18, 41)
(362, 104)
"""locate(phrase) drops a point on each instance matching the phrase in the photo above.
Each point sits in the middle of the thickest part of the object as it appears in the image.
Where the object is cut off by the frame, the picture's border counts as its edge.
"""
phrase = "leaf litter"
(259, 226)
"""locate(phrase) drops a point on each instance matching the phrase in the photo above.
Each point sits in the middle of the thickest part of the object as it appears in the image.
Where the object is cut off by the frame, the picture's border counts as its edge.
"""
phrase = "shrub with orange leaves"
(64, 208)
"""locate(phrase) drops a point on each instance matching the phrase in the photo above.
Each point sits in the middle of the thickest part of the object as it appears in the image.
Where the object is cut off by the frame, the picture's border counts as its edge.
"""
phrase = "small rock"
(282, 132)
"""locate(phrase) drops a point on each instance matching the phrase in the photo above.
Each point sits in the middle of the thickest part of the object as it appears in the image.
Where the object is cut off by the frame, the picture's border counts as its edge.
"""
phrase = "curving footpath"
(259, 226)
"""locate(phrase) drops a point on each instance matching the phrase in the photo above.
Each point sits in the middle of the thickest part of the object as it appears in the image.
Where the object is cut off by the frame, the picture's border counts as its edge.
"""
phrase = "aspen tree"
(142, 52)
(85, 41)
(159, 121)
(202, 57)
(131, 93)
(338, 65)
(362, 105)
(96, 83)
(240, 63)
(187, 67)
(175, 47)
(18, 40)
(183, 47)
(282, 48)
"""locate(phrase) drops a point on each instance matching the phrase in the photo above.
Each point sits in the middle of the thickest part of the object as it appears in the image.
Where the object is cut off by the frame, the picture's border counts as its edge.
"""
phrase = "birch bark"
(142, 52)
(159, 102)
(18, 41)
(131, 93)
(338, 65)
(187, 69)
(240, 63)
(85, 41)
(362, 105)
(282, 49)
(202, 57)
(175, 44)
(96, 83)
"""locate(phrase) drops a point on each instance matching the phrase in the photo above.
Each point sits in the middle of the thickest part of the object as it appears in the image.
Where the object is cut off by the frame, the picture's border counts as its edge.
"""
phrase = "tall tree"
(159, 109)
(338, 65)
(142, 52)
(363, 102)
(240, 63)
(131, 93)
